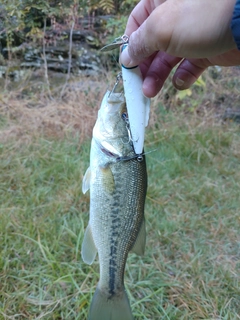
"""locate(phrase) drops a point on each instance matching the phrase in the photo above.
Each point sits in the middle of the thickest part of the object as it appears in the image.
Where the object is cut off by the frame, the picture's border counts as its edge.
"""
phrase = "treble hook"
(118, 79)
(130, 138)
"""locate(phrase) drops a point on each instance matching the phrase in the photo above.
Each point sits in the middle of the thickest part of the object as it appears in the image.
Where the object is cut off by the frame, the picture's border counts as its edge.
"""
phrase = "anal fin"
(139, 245)
(89, 249)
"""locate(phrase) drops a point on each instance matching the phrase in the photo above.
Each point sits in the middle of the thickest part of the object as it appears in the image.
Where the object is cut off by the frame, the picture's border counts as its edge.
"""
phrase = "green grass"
(42, 214)
(194, 221)
(191, 267)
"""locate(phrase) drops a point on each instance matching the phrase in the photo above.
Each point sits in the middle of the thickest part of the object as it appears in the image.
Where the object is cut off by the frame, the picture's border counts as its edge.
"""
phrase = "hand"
(164, 33)
(157, 68)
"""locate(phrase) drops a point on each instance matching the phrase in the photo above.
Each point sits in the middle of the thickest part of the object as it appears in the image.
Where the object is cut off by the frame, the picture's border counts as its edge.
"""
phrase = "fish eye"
(125, 115)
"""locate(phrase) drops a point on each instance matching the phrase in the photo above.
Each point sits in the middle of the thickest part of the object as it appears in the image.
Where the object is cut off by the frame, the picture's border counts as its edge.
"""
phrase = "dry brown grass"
(74, 113)
(27, 111)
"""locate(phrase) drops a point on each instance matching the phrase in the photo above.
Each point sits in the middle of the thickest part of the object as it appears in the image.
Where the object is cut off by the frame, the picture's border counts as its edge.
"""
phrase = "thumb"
(182, 28)
(144, 41)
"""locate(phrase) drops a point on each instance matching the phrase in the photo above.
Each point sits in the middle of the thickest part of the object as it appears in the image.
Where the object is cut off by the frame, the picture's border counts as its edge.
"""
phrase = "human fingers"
(143, 27)
(183, 28)
(140, 13)
(155, 72)
(190, 70)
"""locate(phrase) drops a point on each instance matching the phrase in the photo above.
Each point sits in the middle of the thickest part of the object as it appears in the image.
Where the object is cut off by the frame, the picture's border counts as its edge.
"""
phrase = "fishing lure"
(138, 106)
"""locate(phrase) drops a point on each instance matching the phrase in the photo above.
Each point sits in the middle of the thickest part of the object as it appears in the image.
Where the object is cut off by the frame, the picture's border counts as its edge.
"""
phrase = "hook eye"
(125, 116)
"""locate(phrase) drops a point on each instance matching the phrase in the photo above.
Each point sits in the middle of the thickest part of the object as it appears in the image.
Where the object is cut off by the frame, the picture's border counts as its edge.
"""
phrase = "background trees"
(26, 18)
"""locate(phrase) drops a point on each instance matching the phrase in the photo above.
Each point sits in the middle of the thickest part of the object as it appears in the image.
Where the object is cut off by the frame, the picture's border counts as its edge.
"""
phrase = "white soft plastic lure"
(138, 106)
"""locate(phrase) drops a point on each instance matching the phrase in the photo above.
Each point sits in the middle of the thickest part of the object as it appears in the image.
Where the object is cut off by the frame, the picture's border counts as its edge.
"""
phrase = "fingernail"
(151, 86)
(147, 83)
(179, 82)
(125, 58)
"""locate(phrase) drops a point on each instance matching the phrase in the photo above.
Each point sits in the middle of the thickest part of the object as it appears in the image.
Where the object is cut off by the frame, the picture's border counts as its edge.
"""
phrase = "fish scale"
(114, 205)
(117, 197)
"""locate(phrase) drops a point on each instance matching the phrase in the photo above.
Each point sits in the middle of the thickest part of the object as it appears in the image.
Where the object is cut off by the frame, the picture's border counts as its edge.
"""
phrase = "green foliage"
(126, 6)
(116, 27)
(106, 5)
(109, 6)
(30, 14)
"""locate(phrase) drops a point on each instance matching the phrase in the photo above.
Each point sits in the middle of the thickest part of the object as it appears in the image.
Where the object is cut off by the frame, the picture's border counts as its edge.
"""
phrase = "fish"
(117, 179)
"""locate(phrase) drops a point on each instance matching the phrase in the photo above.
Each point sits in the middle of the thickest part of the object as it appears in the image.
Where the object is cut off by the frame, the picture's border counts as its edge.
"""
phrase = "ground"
(191, 266)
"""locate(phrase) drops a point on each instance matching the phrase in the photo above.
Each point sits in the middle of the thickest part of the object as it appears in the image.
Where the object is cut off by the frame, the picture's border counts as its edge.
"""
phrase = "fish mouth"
(117, 157)
(109, 150)
(109, 153)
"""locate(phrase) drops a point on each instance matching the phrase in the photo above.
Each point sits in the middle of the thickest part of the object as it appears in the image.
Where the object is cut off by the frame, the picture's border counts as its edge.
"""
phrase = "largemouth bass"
(117, 179)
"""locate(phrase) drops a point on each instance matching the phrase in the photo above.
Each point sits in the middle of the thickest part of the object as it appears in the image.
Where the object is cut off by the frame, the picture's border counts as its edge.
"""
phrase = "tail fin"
(115, 308)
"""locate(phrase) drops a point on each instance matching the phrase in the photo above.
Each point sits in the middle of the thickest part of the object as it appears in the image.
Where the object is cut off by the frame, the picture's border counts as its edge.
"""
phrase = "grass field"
(191, 267)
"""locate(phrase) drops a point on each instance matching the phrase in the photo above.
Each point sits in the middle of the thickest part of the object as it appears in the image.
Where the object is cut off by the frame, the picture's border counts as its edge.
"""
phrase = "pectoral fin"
(139, 245)
(107, 179)
(86, 181)
(89, 249)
